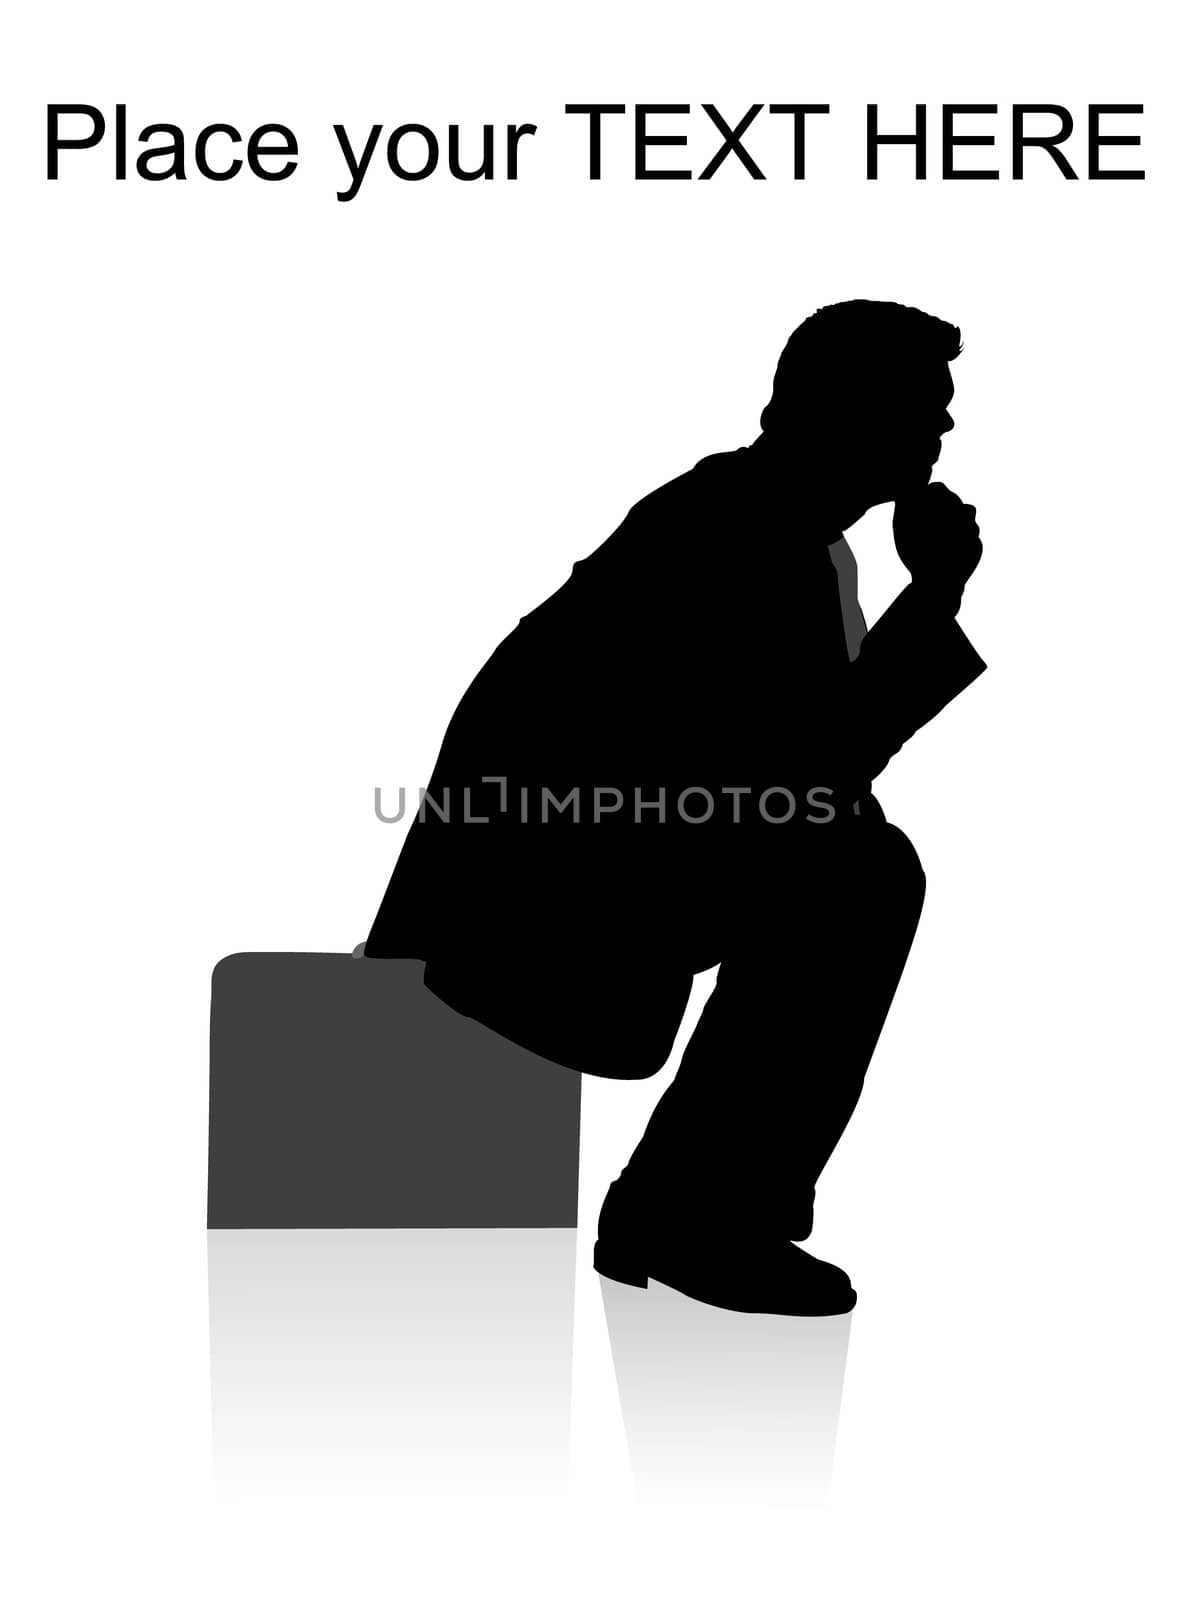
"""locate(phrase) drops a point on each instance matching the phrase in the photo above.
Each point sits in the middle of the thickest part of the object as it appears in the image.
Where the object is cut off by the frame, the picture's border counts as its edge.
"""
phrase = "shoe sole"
(622, 1269)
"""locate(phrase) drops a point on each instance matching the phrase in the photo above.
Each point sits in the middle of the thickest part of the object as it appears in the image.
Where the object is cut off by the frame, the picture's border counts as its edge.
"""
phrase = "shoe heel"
(619, 1266)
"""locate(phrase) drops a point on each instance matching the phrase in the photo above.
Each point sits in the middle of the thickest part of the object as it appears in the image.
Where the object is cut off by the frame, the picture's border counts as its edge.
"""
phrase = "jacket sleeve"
(912, 663)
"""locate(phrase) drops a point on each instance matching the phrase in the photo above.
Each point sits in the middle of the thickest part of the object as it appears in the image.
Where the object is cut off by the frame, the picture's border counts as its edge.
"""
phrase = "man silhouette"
(667, 766)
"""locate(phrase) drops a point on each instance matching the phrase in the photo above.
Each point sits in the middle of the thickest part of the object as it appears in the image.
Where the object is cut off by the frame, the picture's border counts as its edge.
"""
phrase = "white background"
(279, 474)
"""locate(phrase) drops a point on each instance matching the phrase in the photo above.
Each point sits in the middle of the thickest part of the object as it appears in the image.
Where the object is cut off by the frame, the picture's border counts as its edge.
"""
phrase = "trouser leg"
(776, 1065)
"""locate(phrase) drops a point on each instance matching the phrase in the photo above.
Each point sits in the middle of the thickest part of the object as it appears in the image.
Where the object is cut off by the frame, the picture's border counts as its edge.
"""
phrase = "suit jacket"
(700, 647)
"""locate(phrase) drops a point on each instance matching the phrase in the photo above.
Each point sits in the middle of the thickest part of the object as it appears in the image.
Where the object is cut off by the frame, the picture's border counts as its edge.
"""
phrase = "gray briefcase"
(343, 1094)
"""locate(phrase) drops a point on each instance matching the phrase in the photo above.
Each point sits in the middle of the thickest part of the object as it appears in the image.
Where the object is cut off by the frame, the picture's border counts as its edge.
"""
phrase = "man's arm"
(916, 658)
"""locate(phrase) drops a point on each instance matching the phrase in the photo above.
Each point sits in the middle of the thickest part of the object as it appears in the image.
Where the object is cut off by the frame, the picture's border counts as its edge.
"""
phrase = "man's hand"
(937, 538)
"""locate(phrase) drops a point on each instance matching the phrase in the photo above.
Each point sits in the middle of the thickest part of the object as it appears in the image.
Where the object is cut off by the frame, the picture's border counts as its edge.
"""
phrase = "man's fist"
(936, 537)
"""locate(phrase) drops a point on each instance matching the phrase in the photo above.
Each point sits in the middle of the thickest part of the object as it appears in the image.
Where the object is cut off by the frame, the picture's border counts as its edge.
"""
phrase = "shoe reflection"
(429, 1356)
(722, 1401)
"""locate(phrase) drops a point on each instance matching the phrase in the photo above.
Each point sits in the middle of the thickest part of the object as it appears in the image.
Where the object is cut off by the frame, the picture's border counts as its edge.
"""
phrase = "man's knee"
(898, 877)
(878, 866)
(901, 861)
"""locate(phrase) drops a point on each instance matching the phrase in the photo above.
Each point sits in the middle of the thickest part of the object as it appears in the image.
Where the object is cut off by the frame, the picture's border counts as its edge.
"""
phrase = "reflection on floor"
(721, 1401)
(440, 1359)
(436, 1357)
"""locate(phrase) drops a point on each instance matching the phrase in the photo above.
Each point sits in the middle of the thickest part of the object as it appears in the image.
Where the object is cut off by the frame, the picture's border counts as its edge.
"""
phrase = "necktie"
(854, 624)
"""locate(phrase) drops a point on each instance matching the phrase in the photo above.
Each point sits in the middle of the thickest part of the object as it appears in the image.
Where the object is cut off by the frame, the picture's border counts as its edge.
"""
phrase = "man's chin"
(913, 479)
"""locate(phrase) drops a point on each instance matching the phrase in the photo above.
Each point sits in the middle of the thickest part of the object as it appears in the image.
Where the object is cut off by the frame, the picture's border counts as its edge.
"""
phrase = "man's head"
(862, 390)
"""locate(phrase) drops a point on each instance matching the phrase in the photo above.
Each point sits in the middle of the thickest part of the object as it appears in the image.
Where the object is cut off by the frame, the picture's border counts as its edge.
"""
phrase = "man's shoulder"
(680, 512)
(699, 483)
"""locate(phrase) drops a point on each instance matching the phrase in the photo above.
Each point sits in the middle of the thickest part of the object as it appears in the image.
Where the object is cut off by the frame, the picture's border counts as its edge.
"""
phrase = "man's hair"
(846, 349)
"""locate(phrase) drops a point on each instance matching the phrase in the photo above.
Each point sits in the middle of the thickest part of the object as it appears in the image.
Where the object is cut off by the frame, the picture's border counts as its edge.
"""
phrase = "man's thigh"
(779, 892)
(601, 1010)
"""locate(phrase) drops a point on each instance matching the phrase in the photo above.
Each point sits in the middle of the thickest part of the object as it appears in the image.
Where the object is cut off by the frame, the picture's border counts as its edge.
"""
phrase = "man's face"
(903, 431)
(877, 434)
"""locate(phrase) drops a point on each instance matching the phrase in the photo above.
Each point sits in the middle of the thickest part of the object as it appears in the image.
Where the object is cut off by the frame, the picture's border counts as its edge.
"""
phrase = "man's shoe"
(730, 1271)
